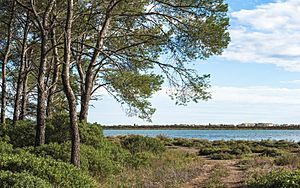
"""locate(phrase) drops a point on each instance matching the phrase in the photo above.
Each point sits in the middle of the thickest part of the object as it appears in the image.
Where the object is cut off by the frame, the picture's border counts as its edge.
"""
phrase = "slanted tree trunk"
(17, 105)
(5, 61)
(75, 155)
(90, 73)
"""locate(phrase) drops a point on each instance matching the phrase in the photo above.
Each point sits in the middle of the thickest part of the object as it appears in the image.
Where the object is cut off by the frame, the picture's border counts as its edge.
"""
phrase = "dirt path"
(218, 172)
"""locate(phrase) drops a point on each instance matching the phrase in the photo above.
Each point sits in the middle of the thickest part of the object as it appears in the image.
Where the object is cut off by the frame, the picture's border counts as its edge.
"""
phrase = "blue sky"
(257, 79)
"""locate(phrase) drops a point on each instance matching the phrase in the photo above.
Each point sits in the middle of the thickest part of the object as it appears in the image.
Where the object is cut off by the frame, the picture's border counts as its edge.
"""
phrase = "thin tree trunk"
(42, 95)
(17, 105)
(4, 63)
(90, 74)
(75, 155)
(25, 87)
(42, 92)
(55, 75)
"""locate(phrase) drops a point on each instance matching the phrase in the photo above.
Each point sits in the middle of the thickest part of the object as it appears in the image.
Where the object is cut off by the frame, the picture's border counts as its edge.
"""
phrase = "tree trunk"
(75, 155)
(24, 86)
(5, 61)
(42, 92)
(17, 105)
(90, 74)
(42, 95)
(55, 75)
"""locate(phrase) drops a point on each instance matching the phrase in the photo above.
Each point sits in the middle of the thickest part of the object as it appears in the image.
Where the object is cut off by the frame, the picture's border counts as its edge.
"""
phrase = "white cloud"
(267, 34)
(256, 95)
(229, 105)
(290, 82)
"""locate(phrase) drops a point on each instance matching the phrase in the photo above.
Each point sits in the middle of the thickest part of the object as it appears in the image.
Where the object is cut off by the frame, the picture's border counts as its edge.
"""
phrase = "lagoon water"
(291, 135)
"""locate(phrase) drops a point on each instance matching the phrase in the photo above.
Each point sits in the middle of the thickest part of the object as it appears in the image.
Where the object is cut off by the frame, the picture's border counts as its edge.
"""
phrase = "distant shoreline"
(201, 127)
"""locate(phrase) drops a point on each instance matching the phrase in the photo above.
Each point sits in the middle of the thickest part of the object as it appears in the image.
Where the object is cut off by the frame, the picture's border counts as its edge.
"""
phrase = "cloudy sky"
(257, 79)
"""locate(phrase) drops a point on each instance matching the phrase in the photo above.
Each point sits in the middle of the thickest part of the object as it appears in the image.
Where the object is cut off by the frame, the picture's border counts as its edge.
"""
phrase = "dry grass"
(171, 169)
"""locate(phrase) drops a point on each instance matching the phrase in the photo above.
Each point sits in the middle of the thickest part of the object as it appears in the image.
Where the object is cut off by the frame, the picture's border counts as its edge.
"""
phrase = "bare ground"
(233, 177)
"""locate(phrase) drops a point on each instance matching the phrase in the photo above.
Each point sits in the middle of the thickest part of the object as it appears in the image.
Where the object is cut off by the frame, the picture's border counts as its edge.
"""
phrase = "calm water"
(292, 135)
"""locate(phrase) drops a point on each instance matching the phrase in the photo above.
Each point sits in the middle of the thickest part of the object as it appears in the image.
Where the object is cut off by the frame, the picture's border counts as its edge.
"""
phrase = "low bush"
(136, 144)
(5, 147)
(279, 178)
(222, 156)
(272, 152)
(59, 174)
(291, 160)
(23, 179)
(22, 133)
(240, 149)
(58, 130)
(98, 162)
(210, 151)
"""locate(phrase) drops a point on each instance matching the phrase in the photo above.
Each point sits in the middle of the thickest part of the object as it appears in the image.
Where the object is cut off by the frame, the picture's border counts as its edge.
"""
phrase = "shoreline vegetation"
(244, 126)
(135, 161)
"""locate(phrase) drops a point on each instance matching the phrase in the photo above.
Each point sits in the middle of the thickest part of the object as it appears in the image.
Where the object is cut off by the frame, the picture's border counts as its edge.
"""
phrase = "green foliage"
(136, 144)
(92, 135)
(279, 178)
(58, 130)
(272, 152)
(221, 156)
(225, 150)
(99, 162)
(22, 133)
(240, 149)
(20, 180)
(5, 147)
(59, 174)
(134, 89)
(292, 160)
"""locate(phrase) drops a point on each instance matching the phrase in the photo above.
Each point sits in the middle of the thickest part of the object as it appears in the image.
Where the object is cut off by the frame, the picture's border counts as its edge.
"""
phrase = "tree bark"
(75, 155)
(90, 73)
(5, 61)
(55, 75)
(42, 92)
(17, 105)
(25, 87)
(42, 95)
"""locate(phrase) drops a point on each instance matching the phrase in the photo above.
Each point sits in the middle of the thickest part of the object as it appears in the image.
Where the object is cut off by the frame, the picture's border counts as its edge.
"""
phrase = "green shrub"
(22, 133)
(288, 159)
(276, 179)
(272, 152)
(210, 151)
(5, 147)
(59, 174)
(240, 149)
(136, 144)
(221, 156)
(140, 159)
(58, 130)
(99, 162)
(20, 180)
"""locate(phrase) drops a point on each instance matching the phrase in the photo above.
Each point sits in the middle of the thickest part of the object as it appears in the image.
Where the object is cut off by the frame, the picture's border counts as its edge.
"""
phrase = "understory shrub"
(22, 133)
(272, 152)
(221, 156)
(19, 180)
(58, 130)
(276, 179)
(98, 162)
(136, 144)
(291, 160)
(59, 174)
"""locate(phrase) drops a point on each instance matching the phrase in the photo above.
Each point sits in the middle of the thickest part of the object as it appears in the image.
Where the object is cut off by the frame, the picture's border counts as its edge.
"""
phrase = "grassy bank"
(136, 161)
